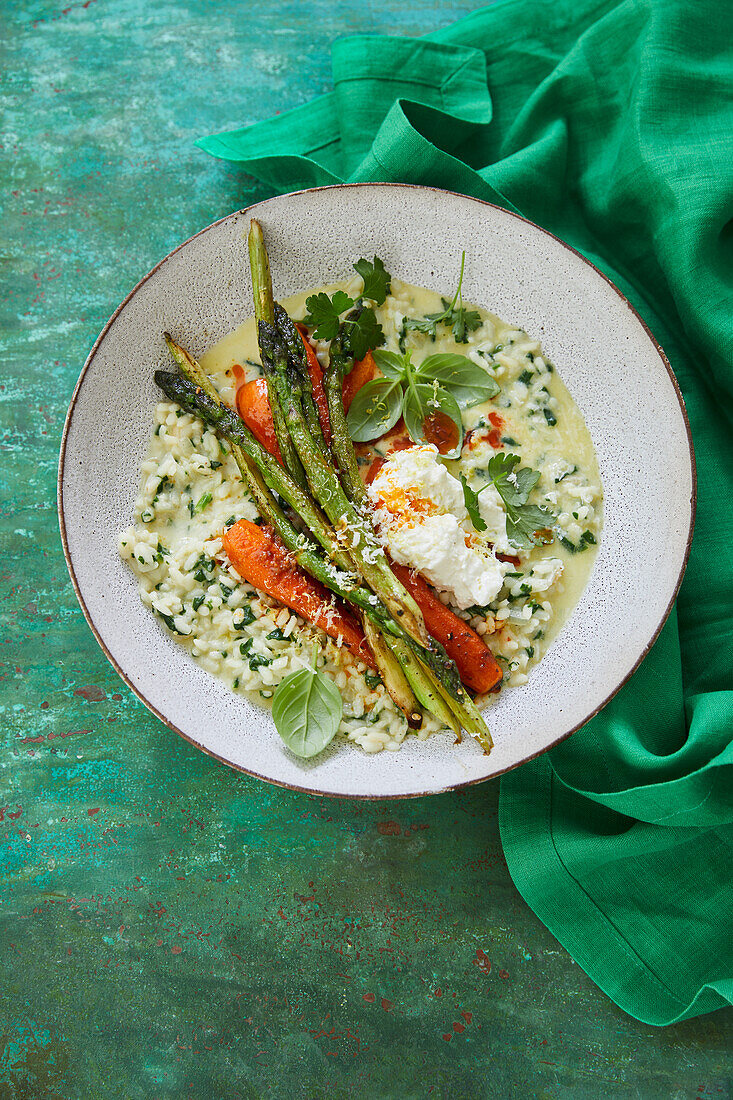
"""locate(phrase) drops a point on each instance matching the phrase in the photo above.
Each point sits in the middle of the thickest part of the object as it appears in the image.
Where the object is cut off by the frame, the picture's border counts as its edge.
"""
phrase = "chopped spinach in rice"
(191, 493)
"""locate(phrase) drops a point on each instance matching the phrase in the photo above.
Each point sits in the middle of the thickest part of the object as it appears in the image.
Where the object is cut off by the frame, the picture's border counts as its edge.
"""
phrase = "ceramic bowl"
(614, 369)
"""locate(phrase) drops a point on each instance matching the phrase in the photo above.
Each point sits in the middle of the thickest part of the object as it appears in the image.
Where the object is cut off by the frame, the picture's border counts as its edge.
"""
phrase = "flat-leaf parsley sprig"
(363, 330)
(526, 524)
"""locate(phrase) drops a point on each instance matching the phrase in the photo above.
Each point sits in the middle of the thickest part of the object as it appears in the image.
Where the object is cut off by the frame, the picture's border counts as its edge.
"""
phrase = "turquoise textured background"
(170, 928)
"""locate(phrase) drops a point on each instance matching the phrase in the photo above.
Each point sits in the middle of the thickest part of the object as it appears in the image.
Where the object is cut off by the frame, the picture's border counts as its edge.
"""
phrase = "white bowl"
(613, 367)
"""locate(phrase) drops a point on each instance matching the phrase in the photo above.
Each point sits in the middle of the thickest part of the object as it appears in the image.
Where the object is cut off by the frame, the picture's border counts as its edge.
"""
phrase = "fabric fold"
(371, 73)
(661, 964)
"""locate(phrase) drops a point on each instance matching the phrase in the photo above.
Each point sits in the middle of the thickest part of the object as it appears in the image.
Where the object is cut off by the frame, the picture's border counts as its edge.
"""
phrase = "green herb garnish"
(201, 567)
(586, 539)
(514, 487)
(257, 661)
(307, 710)
(364, 331)
(377, 281)
(441, 383)
(324, 316)
(168, 620)
(248, 616)
(454, 315)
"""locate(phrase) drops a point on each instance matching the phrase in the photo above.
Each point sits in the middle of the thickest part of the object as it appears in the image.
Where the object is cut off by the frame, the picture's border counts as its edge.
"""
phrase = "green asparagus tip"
(261, 279)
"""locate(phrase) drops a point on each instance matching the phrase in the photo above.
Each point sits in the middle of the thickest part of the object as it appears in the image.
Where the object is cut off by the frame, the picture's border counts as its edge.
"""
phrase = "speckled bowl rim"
(296, 786)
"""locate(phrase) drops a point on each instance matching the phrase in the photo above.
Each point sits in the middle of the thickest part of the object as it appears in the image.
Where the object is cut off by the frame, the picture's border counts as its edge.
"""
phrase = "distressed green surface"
(171, 928)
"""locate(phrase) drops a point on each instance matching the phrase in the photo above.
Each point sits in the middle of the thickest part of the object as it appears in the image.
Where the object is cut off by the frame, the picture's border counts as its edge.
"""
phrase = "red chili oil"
(440, 430)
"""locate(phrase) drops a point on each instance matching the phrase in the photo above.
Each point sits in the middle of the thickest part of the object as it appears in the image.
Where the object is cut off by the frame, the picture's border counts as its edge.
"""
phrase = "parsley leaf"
(463, 321)
(523, 524)
(324, 313)
(523, 520)
(425, 324)
(324, 316)
(377, 281)
(364, 333)
(514, 486)
(470, 497)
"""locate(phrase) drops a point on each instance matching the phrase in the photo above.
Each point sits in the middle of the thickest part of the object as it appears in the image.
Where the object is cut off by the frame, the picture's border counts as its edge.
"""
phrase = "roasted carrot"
(477, 666)
(316, 376)
(261, 559)
(362, 372)
(374, 469)
(254, 408)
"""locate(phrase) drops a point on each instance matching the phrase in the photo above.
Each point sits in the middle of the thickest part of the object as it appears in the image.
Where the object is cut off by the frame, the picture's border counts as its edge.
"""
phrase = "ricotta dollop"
(422, 520)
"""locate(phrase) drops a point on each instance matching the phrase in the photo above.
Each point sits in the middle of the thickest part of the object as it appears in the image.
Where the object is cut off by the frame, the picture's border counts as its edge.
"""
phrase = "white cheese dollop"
(422, 520)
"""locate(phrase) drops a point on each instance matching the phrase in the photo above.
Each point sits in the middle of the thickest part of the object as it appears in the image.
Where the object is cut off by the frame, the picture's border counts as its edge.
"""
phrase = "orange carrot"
(362, 372)
(254, 408)
(374, 469)
(476, 664)
(260, 558)
(316, 376)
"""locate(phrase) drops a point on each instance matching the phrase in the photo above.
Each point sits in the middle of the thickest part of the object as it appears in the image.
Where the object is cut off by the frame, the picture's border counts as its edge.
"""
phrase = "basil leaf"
(470, 497)
(375, 409)
(390, 364)
(422, 401)
(469, 383)
(307, 709)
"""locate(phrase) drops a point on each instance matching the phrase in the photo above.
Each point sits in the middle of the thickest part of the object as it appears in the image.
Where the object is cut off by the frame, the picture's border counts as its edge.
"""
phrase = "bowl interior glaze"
(609, 361)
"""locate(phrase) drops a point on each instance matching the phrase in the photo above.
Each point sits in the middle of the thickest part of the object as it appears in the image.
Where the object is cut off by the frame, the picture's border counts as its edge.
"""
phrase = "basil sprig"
(523, 521)
(307, 709)
(444, 383)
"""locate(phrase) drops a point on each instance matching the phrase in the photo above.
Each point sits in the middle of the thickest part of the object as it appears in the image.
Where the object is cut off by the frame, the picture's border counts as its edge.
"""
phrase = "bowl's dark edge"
(297, 787)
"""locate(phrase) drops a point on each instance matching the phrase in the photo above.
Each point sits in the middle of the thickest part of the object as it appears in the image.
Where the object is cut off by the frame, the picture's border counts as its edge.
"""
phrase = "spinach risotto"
(371, 508)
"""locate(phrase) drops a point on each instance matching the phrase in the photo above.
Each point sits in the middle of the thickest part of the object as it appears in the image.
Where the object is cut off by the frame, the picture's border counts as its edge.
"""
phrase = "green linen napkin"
(609, 123)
